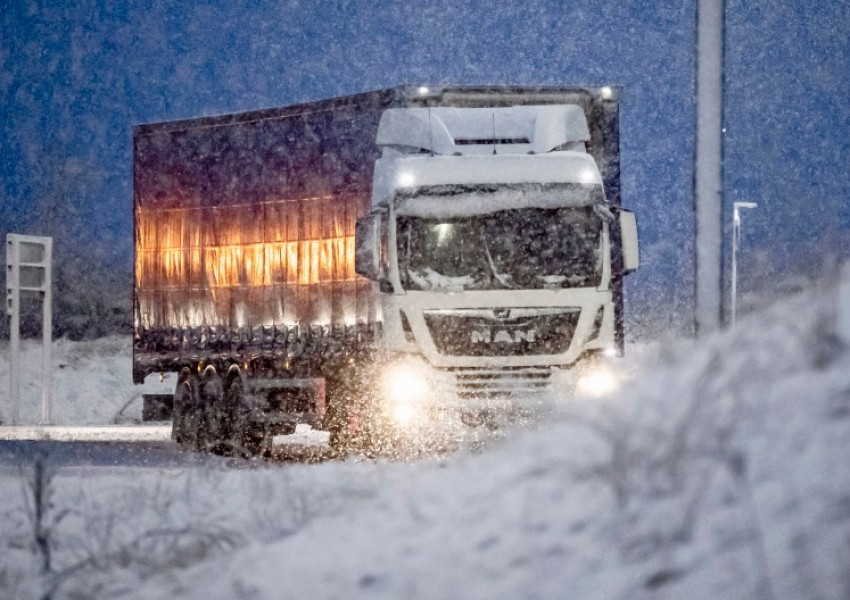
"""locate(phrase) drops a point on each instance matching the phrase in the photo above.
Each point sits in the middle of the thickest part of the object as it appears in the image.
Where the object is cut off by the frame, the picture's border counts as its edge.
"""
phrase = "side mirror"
(629, 239)
(367, 247)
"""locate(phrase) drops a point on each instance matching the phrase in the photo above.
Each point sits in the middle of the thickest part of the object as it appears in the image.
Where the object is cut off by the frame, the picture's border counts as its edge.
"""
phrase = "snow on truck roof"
(514, 129)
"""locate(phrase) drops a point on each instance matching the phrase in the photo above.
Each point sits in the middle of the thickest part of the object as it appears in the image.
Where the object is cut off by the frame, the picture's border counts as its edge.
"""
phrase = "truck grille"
(502, 332)
(494, 383)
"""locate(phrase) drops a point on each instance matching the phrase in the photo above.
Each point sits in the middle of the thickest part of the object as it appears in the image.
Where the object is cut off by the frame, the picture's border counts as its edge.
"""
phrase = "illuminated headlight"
(588, 176)
(405, 388)
(597, 382)
(404, 413)
(405, 179)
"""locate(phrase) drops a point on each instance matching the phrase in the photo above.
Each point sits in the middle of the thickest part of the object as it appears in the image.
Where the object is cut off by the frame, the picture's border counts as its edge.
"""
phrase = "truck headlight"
(597, 381)
(405, 389)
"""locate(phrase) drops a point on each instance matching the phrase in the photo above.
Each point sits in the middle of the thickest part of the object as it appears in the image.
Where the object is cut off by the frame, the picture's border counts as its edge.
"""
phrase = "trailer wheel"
(248, 438)
(213, 427)
(185, 420)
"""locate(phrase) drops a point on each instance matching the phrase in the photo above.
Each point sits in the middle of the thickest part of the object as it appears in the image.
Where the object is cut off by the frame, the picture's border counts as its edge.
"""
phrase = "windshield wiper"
(503, 279)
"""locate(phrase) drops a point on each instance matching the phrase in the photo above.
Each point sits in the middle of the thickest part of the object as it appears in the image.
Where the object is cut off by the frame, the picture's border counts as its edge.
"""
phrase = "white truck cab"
(491, 242)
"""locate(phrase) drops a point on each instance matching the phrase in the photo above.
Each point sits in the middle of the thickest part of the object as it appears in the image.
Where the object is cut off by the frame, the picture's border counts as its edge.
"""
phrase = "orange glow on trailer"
(304, 242)
(244, 264)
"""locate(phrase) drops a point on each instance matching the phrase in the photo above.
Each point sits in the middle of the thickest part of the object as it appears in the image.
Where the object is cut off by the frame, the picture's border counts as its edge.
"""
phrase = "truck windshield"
(528, 248)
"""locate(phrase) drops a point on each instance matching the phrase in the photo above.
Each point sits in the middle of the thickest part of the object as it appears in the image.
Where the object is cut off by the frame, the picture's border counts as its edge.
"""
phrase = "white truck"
(488, 252)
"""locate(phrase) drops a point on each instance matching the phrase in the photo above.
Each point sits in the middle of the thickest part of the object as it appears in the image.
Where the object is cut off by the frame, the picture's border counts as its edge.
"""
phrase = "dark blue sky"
(76, 76)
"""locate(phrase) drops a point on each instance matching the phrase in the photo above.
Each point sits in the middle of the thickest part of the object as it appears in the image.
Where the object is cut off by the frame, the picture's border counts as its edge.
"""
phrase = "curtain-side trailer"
(287, 264)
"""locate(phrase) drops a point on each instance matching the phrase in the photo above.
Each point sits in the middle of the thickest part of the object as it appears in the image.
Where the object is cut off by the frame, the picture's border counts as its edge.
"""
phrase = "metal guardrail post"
(29, 269)
(13, 303)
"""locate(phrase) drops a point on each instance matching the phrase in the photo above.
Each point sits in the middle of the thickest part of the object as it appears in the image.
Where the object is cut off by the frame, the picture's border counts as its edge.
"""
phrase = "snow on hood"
(429, 279)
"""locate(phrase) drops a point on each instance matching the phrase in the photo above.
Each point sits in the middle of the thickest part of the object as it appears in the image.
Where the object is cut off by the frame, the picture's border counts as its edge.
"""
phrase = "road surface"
(136, 445)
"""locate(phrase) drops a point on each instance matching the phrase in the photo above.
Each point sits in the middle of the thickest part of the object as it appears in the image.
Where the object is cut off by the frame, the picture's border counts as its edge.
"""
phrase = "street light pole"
(736, 236)
(708, 166)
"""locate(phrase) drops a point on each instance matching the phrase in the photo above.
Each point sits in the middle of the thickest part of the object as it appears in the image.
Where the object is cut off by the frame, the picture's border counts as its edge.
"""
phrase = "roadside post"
(28, 271)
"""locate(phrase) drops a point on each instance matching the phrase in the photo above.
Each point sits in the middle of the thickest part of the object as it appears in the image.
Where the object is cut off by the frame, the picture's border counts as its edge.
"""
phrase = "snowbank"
(92, 382)
(721, 472)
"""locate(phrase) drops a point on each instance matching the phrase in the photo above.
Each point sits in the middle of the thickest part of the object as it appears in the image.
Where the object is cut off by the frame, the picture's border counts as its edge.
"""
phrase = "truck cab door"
(629, 240)
(370, 246)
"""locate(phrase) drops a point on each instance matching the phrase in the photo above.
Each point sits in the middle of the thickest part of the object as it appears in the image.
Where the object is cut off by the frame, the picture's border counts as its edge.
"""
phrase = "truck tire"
(248, 439)
(337, 425)
(185, 420)
(340, 416)
(348, 419)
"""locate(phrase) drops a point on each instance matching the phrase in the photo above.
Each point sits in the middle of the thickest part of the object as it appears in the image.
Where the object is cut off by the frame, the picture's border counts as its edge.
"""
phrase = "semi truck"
(377, 262)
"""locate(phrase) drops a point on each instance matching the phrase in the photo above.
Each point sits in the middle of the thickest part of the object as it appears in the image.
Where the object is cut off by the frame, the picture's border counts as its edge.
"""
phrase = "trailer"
(279, 258)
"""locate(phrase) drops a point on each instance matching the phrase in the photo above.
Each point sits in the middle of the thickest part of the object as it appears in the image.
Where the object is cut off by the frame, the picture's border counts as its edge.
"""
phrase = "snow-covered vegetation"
(720, 471)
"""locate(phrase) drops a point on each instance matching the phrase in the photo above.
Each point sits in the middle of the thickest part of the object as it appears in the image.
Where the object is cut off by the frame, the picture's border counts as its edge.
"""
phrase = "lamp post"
(736, 236)
(708, 166)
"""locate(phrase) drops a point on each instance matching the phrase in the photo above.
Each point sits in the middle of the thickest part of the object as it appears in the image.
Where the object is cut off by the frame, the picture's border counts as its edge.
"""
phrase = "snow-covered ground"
(92, 383)
(722, 470)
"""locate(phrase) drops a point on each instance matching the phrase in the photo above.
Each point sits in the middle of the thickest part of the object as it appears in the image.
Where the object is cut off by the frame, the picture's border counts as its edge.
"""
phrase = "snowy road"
(137, 446)
(87, 433)
(15, 453)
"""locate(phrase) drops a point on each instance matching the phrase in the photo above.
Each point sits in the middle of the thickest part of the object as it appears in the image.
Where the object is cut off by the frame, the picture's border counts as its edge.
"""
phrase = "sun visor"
(453, 201)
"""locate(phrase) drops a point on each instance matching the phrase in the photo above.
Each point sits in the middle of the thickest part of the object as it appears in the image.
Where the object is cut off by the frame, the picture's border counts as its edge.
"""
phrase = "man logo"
(481, 336)
(502, 336)
(529, 336)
